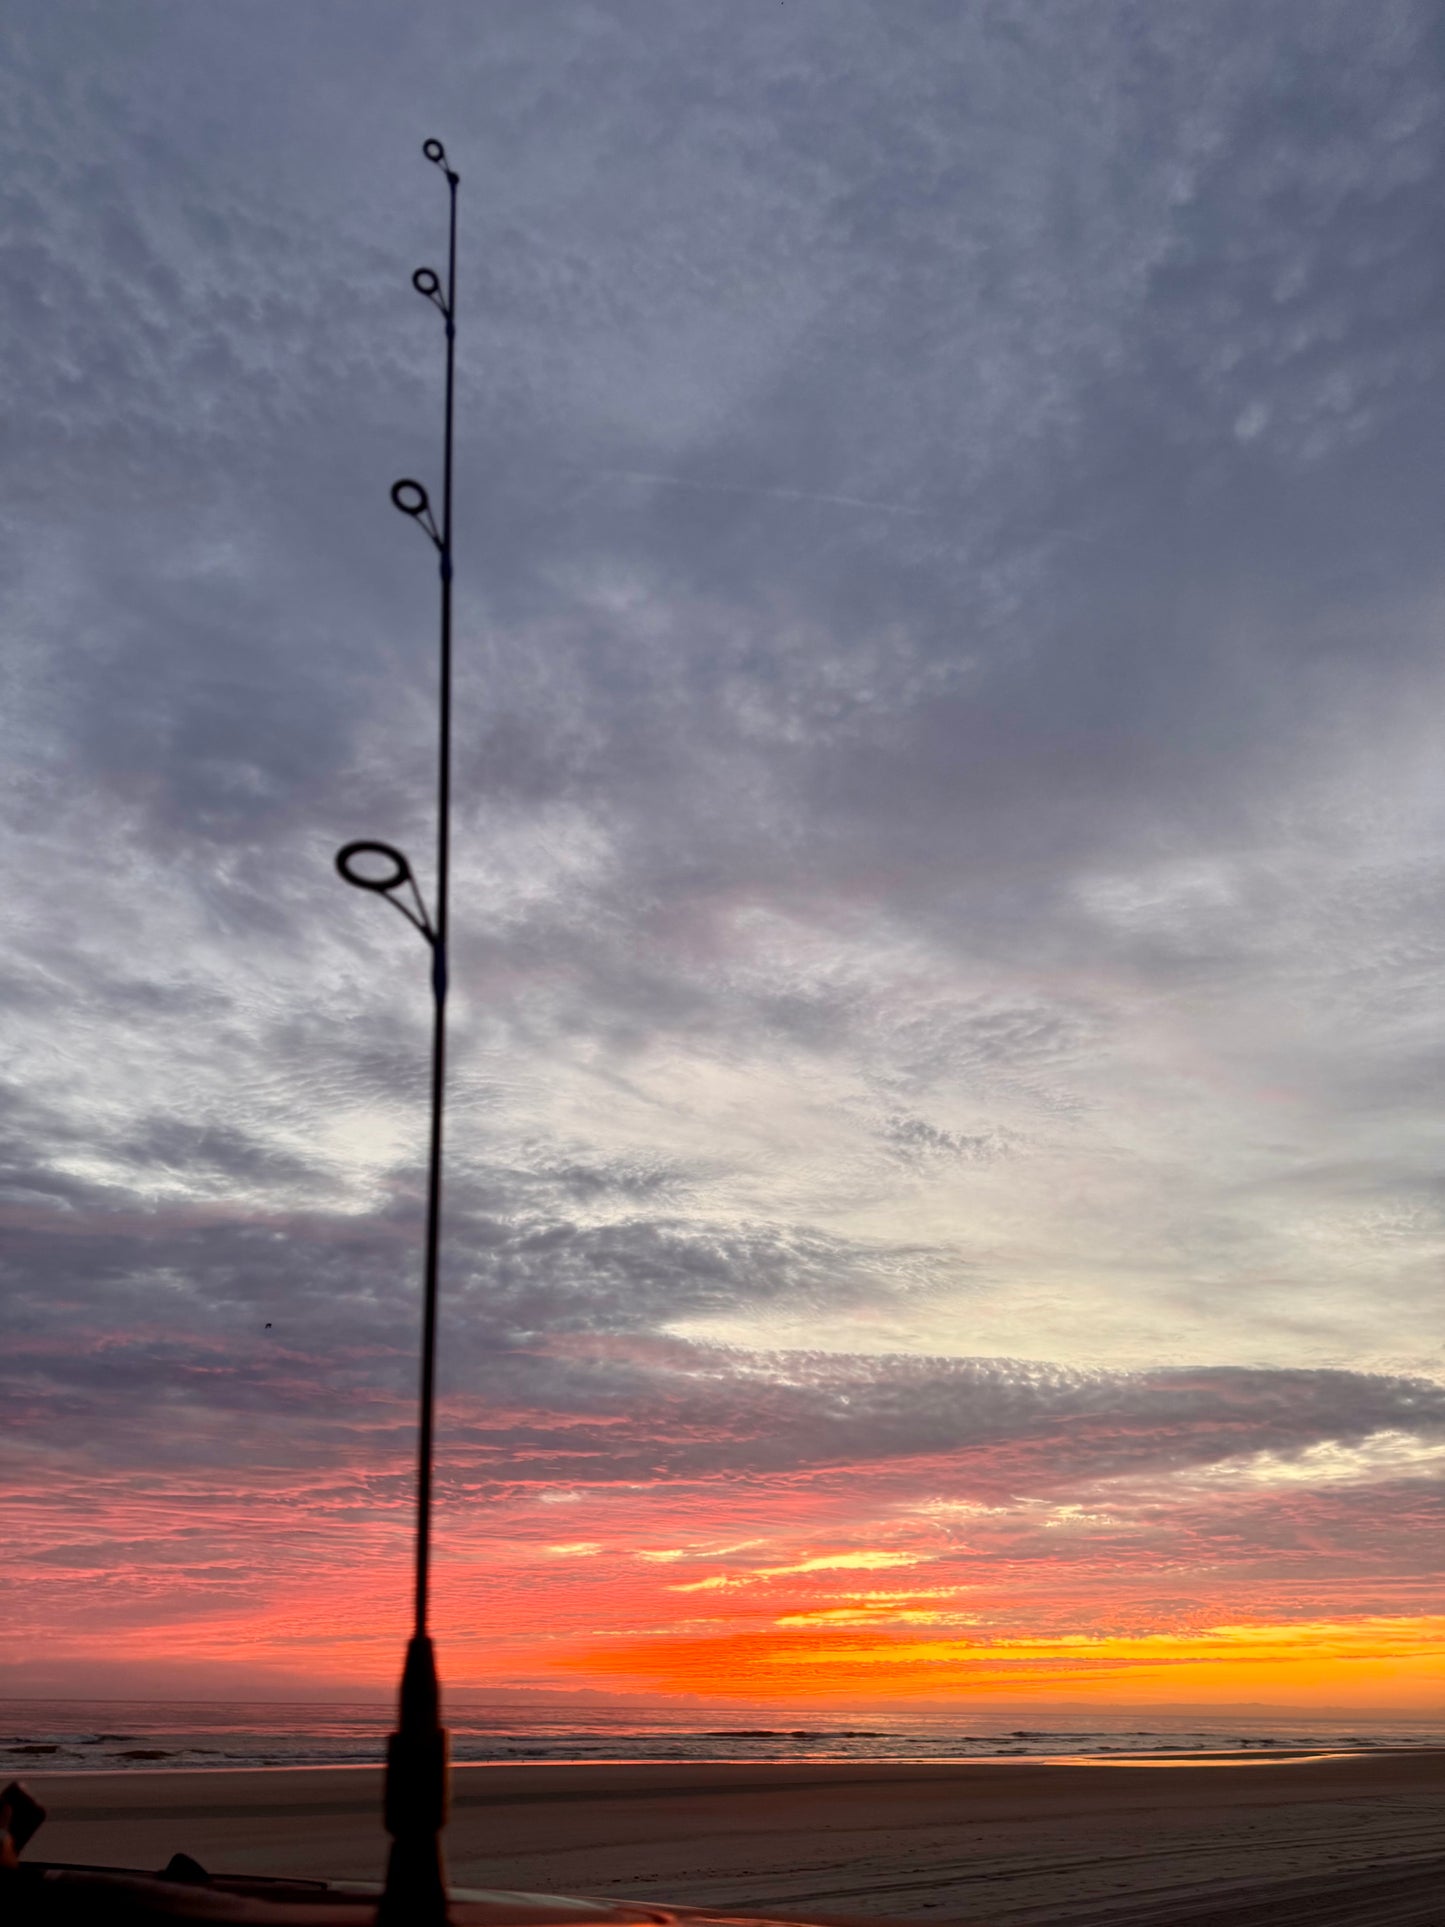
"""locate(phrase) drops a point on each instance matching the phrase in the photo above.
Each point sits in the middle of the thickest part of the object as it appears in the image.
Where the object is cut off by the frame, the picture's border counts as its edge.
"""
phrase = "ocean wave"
(75, 1736)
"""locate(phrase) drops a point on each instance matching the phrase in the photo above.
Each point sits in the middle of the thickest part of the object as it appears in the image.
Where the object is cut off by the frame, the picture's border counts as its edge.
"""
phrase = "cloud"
(946, 935)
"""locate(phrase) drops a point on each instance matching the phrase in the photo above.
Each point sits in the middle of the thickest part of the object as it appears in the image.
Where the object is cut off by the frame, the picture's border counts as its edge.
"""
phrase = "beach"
(1338, 1841)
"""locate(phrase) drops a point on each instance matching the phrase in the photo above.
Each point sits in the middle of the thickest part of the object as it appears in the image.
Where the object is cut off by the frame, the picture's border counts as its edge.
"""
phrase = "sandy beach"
(1330, 1841)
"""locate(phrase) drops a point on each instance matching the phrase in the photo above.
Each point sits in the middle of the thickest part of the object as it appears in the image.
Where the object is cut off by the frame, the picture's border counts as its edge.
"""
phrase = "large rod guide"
(416, 1754)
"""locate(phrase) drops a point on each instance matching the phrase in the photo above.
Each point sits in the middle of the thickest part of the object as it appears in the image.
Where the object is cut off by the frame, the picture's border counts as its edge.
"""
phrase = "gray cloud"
(948, 807)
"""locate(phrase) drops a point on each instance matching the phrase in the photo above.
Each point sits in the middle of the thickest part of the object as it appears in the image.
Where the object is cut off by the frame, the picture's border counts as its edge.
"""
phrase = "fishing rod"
(416, 1753)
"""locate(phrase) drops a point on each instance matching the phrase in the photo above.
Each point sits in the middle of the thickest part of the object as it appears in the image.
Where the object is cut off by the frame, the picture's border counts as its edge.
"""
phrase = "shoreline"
(1012, 1841)
(39, 1763)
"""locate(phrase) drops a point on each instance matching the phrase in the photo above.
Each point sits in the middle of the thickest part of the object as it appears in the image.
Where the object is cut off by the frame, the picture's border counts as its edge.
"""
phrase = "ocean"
(146, 1735)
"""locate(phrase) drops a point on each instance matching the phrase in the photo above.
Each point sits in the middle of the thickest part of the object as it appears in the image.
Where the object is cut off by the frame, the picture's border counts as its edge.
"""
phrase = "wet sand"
(1332, 1842)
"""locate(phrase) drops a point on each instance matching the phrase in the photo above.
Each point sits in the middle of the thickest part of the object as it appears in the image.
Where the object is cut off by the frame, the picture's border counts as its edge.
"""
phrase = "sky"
(944, 1198)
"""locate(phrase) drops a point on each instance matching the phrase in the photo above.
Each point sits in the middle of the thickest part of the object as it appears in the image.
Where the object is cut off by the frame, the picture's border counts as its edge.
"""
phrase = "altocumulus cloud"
(948, 955)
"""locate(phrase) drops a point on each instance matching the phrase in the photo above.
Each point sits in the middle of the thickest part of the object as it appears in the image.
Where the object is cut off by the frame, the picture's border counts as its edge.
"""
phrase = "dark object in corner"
(180, 1867)
(21, 1818)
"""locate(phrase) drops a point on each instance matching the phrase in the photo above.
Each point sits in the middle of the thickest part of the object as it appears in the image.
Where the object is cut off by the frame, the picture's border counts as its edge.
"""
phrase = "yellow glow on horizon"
(1374, 1660)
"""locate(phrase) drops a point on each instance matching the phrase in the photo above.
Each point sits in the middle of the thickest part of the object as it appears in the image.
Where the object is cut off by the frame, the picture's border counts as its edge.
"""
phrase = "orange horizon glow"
(1262, 1580)
(1372, 1662)
(838, 1626)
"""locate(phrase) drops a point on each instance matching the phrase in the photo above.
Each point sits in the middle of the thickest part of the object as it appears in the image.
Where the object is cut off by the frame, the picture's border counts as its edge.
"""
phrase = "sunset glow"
(946, 1101)
(858, 1584)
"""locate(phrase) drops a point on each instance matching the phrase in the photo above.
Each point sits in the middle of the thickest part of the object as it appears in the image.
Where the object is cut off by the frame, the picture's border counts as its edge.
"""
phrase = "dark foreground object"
(51, 1896)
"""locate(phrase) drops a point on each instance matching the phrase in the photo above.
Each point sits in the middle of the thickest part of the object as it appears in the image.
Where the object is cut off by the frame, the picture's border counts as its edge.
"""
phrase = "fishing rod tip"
(437, 155)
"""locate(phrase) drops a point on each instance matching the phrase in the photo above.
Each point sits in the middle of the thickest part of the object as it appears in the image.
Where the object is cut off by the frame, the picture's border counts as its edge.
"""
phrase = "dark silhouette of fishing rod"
(416, 1753)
